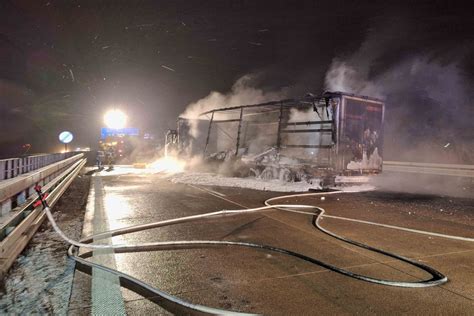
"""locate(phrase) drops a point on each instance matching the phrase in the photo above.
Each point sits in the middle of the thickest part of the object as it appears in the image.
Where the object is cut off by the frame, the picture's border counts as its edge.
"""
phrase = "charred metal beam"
(280, 118)
(308, 123)
(296, 103)
(307, 146)
(208, 133)
(273, 103)
(316, 130)
(260, 123)
(238, 132)
(309, 101)
(226, 121)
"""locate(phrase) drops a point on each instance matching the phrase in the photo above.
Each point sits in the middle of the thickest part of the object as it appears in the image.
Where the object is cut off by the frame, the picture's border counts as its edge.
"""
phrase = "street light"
(115, 119)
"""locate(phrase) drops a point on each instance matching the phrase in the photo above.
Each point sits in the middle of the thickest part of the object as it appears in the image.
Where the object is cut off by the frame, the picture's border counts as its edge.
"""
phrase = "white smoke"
(385, 65)
(242, 92)
(441, 82)
(428, 96)
(344, 77)
(428, 106)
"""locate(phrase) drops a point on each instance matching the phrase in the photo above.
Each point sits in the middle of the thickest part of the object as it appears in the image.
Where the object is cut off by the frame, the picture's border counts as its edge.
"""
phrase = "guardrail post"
(9, 169)
(6, 206)
(21, 198)
(16, 167)
(31, 191)
(24, 165)
(2, 169)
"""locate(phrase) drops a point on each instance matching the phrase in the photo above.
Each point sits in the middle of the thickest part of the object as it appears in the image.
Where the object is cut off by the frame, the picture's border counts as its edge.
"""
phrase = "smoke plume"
(428, 94)
(243, 92)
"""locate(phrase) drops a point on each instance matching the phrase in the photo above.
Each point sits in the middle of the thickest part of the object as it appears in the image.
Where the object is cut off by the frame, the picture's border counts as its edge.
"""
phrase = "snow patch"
(40, 281)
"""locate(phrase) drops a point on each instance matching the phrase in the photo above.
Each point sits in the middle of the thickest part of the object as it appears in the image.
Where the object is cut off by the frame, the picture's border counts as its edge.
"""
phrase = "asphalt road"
(254, 281)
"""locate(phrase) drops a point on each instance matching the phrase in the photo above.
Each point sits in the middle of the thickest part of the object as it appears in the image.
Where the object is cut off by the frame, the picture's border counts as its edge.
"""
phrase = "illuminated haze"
(63, 64)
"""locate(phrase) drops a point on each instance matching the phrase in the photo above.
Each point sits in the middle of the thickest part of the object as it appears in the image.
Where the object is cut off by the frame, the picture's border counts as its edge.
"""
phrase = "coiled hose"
(177, 305)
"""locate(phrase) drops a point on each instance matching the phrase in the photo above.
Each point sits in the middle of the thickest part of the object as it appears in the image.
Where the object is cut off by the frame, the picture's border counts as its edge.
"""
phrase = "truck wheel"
(254, 173)
(267, 174)
(286, 175)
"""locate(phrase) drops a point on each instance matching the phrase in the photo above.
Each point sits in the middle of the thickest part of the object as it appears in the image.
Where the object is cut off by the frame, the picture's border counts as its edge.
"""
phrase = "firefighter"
(100, 159)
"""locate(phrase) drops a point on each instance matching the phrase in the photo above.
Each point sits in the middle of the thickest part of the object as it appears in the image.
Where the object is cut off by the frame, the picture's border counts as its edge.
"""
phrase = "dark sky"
(63, 63)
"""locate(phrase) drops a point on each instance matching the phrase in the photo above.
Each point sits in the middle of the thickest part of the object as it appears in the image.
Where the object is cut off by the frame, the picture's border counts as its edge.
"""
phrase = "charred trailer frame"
(332, 134)
(171, 143)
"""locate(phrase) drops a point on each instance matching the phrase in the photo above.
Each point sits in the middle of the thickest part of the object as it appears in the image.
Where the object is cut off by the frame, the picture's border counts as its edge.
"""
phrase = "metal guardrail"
(15, 191)
(27, 218)
(430, 168)
(12, 167)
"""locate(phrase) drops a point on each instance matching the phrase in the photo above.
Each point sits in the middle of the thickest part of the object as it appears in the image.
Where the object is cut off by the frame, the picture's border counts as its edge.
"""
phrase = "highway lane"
(255, 281)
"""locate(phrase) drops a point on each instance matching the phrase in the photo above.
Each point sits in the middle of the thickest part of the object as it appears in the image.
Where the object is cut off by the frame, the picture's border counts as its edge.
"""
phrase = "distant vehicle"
(128, 149)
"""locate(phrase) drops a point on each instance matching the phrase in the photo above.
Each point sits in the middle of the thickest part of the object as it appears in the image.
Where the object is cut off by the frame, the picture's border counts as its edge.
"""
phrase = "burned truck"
(322, 136)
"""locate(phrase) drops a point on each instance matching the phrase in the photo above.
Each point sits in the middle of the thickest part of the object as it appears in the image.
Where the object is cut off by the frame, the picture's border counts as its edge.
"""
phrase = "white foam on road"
(355, 188)
(212, 179)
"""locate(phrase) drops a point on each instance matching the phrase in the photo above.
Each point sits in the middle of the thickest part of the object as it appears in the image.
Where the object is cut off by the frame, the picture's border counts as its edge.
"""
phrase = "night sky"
(64, 63)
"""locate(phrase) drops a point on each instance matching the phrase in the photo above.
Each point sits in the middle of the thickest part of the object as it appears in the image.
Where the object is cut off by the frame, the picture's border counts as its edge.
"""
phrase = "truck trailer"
(333, 134)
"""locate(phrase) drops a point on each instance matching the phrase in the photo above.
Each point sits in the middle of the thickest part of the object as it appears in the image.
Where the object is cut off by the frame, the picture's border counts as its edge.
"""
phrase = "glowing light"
(168, 165)
(118, 206)
(115, 119)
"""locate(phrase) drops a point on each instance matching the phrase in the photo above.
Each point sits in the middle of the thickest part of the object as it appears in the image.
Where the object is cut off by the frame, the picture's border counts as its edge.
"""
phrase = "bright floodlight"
(115, 119)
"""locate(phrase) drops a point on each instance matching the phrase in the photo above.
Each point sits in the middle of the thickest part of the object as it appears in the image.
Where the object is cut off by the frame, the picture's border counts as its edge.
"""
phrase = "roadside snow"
(40, 280)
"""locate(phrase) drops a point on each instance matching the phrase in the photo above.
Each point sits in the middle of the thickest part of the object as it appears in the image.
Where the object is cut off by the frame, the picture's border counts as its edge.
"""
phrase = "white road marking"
(417, 231)
(106, 294)
(324, 270)
(215, 192)
(212, 192)
(411, 230)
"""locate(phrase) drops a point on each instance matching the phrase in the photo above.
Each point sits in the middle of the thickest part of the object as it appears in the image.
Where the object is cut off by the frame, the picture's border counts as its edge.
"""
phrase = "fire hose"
(176, 304)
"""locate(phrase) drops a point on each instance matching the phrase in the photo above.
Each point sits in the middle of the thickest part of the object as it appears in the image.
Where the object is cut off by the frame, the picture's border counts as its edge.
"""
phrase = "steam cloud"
(242, 92)
(428, 106)
(428, 95)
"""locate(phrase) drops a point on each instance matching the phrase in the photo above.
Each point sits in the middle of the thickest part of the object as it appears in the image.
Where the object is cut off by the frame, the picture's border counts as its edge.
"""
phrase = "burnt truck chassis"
(341, 134)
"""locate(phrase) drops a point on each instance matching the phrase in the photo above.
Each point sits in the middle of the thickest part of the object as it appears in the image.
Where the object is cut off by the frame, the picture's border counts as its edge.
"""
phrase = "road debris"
(168, 68)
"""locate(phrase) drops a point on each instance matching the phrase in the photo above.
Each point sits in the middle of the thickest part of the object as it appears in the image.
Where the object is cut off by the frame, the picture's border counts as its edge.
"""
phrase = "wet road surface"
(250, 280)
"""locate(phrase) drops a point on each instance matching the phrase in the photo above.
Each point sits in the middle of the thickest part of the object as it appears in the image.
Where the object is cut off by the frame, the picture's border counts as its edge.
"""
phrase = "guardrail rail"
(430, 168)
(12, 167)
